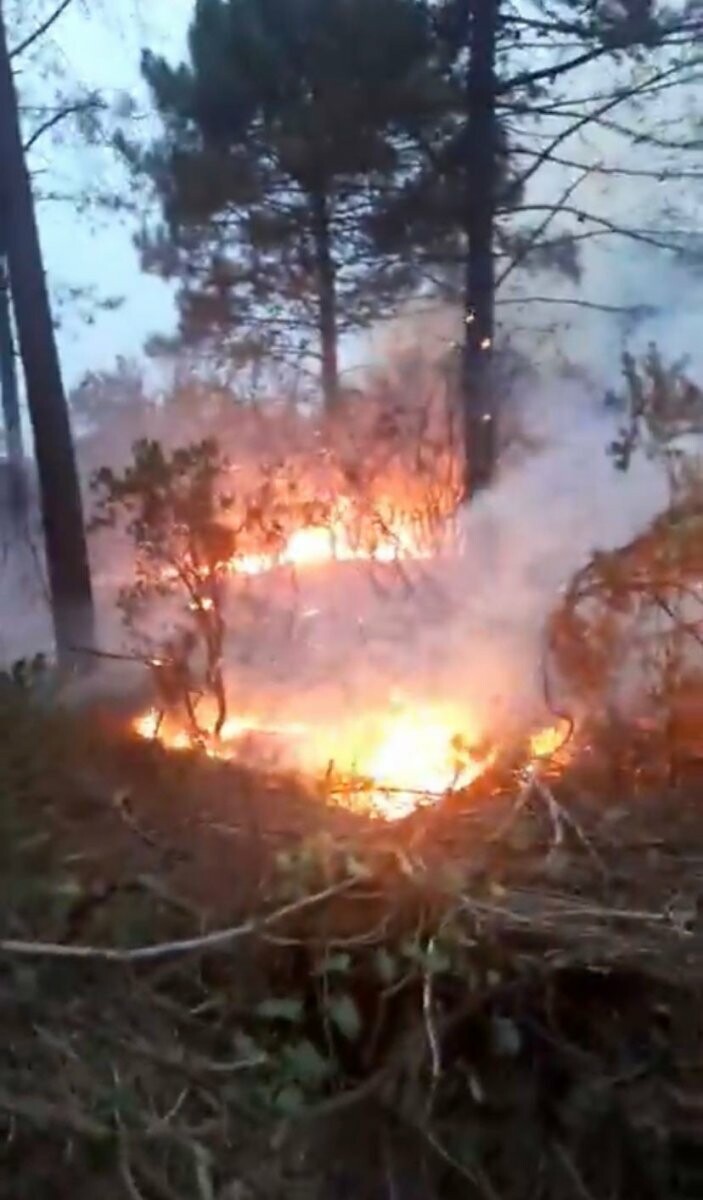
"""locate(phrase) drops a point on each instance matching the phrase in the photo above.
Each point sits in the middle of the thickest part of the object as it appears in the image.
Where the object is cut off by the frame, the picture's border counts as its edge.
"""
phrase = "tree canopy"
(280, 137)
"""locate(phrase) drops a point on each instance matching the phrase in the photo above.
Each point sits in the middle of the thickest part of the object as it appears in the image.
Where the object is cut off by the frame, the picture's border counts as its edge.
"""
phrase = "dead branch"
(160, 952)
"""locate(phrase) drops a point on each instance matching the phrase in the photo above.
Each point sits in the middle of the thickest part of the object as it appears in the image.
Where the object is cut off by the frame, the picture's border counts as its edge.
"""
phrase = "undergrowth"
(495, 996)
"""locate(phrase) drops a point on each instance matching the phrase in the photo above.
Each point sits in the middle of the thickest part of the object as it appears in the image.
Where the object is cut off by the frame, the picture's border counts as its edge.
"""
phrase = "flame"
(389, 761)
(410, 756)
(387, 537)
(550, 741)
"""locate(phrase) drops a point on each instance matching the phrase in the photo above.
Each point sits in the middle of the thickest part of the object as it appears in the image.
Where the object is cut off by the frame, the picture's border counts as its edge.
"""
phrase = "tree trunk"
(9, 394)
(479, 403)
(327, 299)
(62, 513)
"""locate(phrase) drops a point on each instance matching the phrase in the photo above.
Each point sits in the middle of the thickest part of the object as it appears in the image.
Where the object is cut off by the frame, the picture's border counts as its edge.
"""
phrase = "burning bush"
(629, 631)
(173, 509)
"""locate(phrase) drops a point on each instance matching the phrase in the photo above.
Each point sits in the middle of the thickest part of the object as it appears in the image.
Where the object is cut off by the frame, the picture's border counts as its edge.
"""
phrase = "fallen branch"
(166, 950)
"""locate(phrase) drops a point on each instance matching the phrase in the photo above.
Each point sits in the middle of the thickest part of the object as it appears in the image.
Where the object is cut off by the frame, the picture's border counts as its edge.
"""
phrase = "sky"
(97, 44)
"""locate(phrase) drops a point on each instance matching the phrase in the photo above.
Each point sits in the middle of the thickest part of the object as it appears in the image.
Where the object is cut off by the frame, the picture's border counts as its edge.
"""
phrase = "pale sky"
(99, 42)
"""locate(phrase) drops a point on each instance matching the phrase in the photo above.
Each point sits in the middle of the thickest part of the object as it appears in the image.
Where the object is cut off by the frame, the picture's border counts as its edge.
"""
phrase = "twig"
(430, 1028)
(570, 1168)
(566, 818)
(43, 1112)
(166, 950)
(126, 1172)
(476, 1177)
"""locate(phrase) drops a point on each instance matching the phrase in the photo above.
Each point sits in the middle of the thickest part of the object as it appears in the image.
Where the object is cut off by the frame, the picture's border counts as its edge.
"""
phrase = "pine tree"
(278, 143)
(462, 215)
(65, 542)
(9, 398)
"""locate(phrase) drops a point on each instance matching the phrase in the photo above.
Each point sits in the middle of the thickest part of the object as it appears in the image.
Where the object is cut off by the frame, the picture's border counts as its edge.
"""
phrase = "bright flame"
(549, 741)
(416, 756)
(389, 762)
(388, 539)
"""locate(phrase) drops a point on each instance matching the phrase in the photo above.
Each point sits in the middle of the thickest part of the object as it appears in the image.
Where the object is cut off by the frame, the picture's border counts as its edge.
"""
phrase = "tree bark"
(327, 299)
(479, 404)
(9, 393)
(62, 511)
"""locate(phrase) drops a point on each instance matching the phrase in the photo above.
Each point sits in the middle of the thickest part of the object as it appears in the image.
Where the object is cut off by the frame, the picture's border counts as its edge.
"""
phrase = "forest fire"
(388, 762)
(216, 527)
(380, 540)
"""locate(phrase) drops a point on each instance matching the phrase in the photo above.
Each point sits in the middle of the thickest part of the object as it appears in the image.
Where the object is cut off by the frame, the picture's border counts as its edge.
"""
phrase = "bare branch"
(661, 174)
(70, 110)
(167, 950)
(645, 236)
(41, 29)
(639, 311)
(581, 121)
(531, 244)
(527, 78)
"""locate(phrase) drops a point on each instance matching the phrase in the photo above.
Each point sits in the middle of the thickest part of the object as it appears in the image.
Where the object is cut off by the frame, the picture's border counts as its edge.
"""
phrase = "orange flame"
(315, 545)
(388, 762)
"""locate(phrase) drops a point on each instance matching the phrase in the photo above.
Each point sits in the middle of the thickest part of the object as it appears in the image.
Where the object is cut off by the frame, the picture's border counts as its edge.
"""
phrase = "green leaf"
(386, 966)
(305, 1065)
(334, 964)
(283, 1008)
(344, 1013)
(506, 1037)
(436, 960)
(432, 959)
(246, 1046)
(290, 1100)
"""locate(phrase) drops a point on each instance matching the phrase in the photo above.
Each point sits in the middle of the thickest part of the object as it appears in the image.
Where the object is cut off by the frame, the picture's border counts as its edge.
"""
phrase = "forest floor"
(210, 978)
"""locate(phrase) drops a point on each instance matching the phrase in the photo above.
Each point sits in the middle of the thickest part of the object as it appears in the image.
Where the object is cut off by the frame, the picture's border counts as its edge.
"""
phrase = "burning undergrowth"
(333, 610)
(206, 982)
(278, 569)
(221, 969)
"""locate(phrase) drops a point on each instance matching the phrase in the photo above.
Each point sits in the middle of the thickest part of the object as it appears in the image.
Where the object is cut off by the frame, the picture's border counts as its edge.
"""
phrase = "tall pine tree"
(518, 83)
(279, 139)
(64, 532)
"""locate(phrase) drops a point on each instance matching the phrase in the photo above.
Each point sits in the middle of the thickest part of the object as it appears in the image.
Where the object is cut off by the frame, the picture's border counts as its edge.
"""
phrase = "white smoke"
(466, 627)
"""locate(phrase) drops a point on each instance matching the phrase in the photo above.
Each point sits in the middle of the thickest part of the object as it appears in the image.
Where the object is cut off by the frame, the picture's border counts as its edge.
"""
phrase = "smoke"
(464, 627)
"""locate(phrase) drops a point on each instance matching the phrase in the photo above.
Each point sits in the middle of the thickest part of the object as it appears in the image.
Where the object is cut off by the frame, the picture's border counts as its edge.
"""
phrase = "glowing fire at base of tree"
(387, 762)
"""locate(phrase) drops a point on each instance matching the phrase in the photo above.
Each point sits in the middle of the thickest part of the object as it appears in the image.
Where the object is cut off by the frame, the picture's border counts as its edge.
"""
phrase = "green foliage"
(279, 137)
(662, 408)
(173, 508)
(314, 165)
(281, 1009)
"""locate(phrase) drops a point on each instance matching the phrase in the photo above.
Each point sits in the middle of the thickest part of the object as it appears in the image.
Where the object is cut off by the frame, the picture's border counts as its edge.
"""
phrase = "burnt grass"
(499, 997)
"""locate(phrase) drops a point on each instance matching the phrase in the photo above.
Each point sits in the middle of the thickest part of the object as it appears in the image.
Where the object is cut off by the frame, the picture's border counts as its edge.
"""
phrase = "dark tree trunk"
(9, 394)
(62, 513)
(327, 299)
(478, 399)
